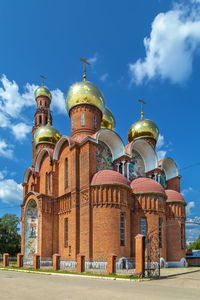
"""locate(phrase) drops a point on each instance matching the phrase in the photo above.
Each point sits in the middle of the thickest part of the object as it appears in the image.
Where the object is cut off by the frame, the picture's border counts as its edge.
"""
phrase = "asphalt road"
(15, 285)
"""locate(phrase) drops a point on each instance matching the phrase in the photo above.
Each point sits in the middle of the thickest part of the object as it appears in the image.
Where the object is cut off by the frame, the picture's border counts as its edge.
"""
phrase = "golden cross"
(43, 78)
(84, 68)
(142, 112)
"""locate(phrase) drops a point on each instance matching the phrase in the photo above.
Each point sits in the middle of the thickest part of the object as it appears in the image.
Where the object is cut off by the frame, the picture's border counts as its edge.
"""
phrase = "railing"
(125, 265)
(98, 266)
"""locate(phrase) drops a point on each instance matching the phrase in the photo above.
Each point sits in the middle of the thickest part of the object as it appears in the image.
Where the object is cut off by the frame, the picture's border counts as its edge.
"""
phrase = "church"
(90, 192)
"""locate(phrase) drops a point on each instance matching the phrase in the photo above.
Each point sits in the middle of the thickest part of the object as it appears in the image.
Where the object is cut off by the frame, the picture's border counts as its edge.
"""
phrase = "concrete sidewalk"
(15, 285)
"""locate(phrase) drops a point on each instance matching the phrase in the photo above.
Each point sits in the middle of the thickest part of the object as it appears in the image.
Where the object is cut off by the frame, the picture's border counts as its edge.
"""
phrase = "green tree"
(10, 239)
(195, 245)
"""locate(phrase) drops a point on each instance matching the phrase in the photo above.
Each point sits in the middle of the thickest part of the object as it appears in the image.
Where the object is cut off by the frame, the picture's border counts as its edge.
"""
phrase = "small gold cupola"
(108, 120)
(43, 90)
(46, 134)
(144, 128)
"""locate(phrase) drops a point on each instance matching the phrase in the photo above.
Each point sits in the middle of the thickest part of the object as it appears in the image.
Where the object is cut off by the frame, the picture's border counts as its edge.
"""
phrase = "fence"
(98, 266)
(125, 266)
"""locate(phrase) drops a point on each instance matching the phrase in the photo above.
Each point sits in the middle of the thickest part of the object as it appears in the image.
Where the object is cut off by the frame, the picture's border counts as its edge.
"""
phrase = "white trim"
(26, 174)
(58, 146)
(39, 157)
(113, 141)
(147, 153)
(170, 168)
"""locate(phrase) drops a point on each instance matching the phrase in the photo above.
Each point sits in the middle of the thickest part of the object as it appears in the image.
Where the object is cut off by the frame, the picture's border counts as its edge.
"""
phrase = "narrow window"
(66, 233)
(122, 230)
(45, 103)
(182, 236)
(66, 172)
(72, 123)
(40, 119)
(46, 119)
(47, 183)
(95, 122)
(143, 226)
(49, 176)
(160, 233)
(82, 119)
(40, 103)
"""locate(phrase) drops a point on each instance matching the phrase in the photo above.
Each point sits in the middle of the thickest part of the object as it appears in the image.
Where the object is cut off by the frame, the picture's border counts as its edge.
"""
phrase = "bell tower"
(43, 101)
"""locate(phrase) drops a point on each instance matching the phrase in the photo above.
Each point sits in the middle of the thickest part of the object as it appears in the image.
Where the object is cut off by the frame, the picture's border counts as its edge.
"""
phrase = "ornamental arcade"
(91, 193)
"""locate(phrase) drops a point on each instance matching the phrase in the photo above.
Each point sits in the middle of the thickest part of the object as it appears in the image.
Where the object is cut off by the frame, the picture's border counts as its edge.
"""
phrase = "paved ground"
(15, 285)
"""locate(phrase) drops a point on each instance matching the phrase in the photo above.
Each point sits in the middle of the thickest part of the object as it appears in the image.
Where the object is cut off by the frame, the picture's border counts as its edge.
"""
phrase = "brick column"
(36, 261)
(80, 263)
(56, 262)
(5, 259)
(111, 263)
(20, 260)
(139, 255)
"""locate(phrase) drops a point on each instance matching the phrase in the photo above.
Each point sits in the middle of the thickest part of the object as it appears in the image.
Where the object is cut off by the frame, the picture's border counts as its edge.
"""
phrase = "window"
(82, 119)
(47, 183)
(45, 103)
(122, 230)
(143, 226)
(40, 102)
(95, 122)
(66, 233)
(72, 123)
(160, 233)
(66, 172)
(46, 119)
(40, 119)
(182, 236)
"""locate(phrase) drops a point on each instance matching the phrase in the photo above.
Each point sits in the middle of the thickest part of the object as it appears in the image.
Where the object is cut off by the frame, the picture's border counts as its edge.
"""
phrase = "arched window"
(47, 183)
(46, 119)
(82, 119)
(122, 230)
(40, 102)
(72, 123)
(66, 172)
(95, 122)
(143, 226)
(40, 119)
(45, 103)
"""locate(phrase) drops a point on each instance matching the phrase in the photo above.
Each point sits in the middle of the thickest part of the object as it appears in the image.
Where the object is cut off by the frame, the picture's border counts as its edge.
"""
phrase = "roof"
(146, 185)
(109, 177)
(174, 196)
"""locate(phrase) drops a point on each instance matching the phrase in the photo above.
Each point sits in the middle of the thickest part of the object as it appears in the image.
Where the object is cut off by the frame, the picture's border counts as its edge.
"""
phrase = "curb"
(77, 275)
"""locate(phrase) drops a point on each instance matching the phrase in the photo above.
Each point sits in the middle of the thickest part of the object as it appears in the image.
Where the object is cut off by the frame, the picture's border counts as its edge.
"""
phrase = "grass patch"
(72, 273)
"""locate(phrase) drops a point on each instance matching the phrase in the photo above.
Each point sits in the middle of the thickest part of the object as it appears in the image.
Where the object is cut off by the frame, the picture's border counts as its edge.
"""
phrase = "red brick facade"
(75, 216)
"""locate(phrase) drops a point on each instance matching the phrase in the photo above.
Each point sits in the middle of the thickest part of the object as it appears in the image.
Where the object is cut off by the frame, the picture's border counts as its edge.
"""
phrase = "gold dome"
(46, 134)
(108, 120)
(42, 91)
(84, 92)
(143, 128)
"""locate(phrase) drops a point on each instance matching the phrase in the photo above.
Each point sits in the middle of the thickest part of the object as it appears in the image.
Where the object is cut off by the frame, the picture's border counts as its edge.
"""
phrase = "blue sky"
(137, 49)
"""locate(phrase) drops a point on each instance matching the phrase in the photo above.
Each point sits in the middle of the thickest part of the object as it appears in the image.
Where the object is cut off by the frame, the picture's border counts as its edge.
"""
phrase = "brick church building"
(90, 193)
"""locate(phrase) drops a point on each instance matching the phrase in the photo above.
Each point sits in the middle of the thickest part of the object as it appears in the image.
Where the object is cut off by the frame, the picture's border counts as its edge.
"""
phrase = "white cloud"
(186, 191)
(21, 130)
(5, 150)
(58, 101)
(93, 60)
(189, 207)
(13, 103)
(104, 77)
(171, 46)
(10, 191)
(161, 154)
(160, 141)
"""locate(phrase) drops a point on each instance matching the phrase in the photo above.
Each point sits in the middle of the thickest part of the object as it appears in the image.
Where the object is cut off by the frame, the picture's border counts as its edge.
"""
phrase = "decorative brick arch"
(147, 153)
(170, 168)
(40, 156)
(112, 140)
(59, 144)
(27, 174)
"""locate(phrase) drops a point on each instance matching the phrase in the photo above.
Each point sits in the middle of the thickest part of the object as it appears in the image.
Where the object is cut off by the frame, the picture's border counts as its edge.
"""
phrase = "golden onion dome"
(84, 92)
(43, 91)
(143, 128)
(108, 120)
(46, 134)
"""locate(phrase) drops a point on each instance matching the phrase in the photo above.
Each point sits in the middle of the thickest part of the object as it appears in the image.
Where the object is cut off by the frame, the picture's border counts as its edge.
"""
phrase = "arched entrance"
(31, 230)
